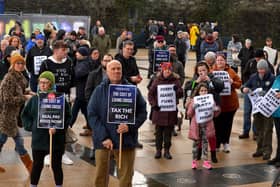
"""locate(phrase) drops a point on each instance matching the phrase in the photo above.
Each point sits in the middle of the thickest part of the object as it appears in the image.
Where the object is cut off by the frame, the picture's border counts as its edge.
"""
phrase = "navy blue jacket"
(255, 82)
(97, 116)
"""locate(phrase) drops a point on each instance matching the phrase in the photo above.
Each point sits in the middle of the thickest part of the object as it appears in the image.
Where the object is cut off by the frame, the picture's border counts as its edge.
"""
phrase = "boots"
(2, 170)
(27, 162)
(199, 152)
(213, 157)
(167, 154)
(158, 154)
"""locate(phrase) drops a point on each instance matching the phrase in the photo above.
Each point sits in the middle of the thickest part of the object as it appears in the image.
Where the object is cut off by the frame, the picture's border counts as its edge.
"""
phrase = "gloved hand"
(175, 88)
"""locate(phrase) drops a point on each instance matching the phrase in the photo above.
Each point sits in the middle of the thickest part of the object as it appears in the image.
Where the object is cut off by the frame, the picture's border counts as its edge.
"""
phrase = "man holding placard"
(116, 110)
(264, 124)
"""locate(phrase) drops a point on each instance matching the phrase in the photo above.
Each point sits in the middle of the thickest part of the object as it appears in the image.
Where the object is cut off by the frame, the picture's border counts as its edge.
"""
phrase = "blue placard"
(121, 104)
(51, 110)
(159, 57)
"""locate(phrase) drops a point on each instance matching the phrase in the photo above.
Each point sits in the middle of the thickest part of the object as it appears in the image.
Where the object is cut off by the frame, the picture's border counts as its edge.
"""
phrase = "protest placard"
(269, 103)
(37, 63)
(224, 76)
(121, 104)
(51, 110)
(159, 57)
(166, 97)
(255, 99)
(204, 111)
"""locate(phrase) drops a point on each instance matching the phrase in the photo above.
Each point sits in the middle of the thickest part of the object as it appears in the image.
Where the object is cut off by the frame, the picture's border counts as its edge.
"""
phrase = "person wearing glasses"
(159, 44)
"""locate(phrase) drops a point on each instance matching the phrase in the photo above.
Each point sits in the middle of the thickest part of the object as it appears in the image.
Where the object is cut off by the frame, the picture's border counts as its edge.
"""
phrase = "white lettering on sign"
(37, 63)
(166, 97)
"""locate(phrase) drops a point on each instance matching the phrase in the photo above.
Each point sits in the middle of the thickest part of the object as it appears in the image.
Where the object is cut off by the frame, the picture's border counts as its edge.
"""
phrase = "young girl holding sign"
(41, 136)
(200, 132)
(164, 96)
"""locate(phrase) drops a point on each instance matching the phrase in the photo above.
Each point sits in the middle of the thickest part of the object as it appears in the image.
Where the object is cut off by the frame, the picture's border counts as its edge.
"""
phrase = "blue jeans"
(247, 115)
(18, 139)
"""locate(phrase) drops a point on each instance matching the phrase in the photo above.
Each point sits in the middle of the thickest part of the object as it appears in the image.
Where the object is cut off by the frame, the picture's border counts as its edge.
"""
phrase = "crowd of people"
(79, 65)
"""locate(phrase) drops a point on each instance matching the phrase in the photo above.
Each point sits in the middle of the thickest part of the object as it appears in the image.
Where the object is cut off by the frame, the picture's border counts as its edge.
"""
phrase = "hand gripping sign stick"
(120, 151)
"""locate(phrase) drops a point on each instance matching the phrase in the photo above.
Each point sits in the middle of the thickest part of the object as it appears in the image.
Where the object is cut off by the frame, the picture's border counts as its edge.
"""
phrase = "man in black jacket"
(34, 59)
(96, 76)
(129, 67)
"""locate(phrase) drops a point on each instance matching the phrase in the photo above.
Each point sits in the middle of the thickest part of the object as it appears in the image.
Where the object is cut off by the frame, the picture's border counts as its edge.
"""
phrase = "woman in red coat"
(165, 118)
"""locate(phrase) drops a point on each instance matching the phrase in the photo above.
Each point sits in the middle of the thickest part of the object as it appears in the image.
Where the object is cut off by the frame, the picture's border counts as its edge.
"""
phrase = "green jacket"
(102, 43)
(40, 137)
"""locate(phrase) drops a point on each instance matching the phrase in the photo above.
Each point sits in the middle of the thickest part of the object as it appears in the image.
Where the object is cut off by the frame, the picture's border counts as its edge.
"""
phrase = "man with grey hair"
(102, 42)
(107, 135)
(210, 58)
(245, 54)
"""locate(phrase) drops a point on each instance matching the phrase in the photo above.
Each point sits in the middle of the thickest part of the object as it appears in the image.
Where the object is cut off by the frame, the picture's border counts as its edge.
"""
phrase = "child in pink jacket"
(199, 132)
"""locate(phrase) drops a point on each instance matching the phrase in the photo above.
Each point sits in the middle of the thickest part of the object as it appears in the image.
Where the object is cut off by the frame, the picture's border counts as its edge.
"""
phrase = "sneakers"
(244, 136)
(207, 165)
(66, 160)
(194, 164)
(47, 160)
(226, 148)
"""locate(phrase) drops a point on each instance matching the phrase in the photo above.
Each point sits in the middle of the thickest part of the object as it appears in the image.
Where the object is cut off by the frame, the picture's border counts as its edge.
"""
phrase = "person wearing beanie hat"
(262, 64)
(34, 59)
(47, 76)
(264, 125)
(13, 96)
(84, 51)
(83, 67)
(164, 120)
(40, 136)
(249, 70)
(160, 38)
(40, 37)
(16, 58)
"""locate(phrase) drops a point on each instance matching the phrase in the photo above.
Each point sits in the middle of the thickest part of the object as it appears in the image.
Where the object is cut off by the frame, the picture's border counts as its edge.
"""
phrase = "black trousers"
(223, 126)
(38, 164)
(163, 135)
